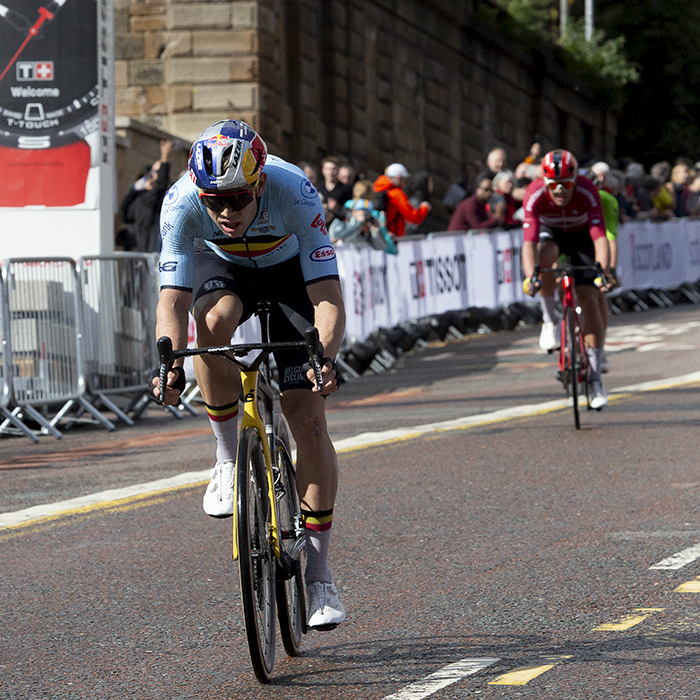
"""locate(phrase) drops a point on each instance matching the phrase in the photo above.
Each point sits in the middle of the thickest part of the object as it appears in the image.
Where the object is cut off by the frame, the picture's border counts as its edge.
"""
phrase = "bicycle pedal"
(324, 628)
(286, 568)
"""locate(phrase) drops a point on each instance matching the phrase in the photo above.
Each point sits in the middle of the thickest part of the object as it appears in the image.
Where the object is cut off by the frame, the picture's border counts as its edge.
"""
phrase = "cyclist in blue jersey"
(239, 227)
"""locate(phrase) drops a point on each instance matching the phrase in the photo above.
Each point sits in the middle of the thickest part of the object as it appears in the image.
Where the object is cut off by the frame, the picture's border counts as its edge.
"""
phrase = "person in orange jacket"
(398, 209)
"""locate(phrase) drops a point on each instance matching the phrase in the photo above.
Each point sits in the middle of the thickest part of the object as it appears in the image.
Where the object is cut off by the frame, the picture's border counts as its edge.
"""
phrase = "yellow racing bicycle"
(268, 534)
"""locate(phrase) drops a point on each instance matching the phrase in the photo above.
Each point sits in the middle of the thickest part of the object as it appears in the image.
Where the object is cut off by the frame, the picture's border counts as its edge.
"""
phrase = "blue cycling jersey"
(290, 221)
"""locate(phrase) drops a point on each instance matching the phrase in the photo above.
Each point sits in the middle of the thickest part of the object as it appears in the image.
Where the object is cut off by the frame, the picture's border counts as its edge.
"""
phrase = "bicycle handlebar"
(311, 344)
(315, 351)
(167, 357)
(567, 268)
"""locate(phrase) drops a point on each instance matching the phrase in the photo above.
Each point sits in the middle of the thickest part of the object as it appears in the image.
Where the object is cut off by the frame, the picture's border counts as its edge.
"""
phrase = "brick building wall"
(415, 81)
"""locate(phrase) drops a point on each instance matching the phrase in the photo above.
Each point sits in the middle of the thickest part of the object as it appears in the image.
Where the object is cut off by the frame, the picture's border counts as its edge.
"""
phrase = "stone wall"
(415, 81)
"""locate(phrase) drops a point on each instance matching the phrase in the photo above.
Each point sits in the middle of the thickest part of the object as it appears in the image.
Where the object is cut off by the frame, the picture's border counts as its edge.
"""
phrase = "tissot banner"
(49, 103)
(445, 272)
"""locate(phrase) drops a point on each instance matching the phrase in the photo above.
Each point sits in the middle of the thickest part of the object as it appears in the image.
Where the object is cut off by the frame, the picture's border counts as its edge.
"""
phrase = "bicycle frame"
(569, 301)
(252, 389)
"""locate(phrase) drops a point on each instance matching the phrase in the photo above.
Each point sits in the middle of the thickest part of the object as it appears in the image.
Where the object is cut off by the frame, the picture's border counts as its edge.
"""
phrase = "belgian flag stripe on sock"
(222, 413)
(318, 520)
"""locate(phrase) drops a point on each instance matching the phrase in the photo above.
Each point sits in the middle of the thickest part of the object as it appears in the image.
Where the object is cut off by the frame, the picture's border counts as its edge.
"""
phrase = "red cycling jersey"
(583, 212)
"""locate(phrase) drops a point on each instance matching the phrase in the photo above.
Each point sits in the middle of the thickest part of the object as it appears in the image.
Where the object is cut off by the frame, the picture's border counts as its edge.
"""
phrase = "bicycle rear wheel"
(256, 560)
(291, 607)
(573, 360)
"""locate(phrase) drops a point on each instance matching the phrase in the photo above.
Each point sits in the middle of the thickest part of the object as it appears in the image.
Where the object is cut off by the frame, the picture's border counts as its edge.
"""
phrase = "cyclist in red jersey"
(563, 215)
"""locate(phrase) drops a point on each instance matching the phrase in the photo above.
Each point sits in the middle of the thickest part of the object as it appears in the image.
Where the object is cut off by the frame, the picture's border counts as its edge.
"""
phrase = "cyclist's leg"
(316, 467)
(317, 484)
(605, 314)
(548, 257)
(316, 472)
(217, 311)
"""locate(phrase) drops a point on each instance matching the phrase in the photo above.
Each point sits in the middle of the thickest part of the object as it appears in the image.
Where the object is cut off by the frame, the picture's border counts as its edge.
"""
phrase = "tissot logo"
(35, 70)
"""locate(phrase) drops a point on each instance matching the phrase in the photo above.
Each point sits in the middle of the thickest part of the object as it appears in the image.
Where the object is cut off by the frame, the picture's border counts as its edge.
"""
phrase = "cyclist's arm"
(172, 320)
(614, 252)
(329, 313)
(529, 257)
(602, 252)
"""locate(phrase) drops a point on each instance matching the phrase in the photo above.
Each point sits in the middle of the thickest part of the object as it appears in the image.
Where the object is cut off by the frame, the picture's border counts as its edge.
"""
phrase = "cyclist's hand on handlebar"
(175, 387)
(531, 285)
(614, 280)
(603, 282)
(332, 378)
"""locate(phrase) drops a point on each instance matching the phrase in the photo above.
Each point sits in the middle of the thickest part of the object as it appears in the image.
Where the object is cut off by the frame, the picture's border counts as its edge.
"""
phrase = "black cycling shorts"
(578, 247)
(283, 282)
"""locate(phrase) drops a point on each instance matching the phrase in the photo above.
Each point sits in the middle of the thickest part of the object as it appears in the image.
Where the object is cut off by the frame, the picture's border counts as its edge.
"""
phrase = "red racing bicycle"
(573, 369)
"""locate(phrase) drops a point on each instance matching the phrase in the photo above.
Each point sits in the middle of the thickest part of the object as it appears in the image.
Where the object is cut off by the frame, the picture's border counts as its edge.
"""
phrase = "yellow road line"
(524, 674)
(628, 620)
(689, 586)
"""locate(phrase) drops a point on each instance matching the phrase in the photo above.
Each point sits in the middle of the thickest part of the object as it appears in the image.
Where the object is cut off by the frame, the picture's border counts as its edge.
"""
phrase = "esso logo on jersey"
(325, 252)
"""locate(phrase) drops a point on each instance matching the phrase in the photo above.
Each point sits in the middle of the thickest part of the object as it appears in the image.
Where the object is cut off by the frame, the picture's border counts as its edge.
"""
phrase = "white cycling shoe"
(326, 611)
(598, 396)
(548, 336)
(218, 498)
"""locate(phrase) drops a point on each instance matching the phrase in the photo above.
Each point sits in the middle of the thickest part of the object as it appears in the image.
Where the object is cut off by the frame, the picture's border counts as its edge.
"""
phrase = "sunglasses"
(555, 184)
(229, 200)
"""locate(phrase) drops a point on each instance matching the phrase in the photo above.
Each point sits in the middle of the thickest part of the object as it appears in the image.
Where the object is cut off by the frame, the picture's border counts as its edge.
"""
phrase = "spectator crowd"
(489, 195)
(380, 211)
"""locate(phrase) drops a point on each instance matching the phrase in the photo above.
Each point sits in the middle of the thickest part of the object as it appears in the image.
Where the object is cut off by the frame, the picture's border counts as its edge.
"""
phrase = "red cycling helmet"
(559, 165)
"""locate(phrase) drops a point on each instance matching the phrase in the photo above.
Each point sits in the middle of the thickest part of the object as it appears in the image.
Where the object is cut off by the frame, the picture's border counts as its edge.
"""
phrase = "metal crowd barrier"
(73, 338)
(11, 420)
(44, 365)
(119, 296)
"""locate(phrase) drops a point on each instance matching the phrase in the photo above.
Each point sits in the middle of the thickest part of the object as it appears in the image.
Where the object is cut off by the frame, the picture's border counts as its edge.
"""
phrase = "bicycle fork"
(251, 417)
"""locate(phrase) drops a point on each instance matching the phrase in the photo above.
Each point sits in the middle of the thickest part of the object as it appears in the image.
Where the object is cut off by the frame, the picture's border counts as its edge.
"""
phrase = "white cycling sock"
(549, 309)
(594, 360)
(224, 425)
(318, 536)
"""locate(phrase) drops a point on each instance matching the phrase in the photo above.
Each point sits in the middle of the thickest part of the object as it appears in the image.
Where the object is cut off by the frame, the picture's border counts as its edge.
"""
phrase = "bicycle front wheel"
(291, 607)
(573, 360)
(256, 560)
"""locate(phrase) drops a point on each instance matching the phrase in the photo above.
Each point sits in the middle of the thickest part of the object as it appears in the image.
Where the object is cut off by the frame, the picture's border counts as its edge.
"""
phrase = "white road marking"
(442, 678)
(101, 499)
(106, 498)
(679, 560)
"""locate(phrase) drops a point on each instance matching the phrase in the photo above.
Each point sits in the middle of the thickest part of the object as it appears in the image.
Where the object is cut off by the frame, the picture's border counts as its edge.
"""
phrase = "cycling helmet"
(228, 156)
(559, 165)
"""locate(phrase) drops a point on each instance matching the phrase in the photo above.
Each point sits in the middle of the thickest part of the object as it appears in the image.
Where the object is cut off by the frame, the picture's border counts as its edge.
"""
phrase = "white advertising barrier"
(445, 272)
(427, 277)
(659, 256)
(509, 274)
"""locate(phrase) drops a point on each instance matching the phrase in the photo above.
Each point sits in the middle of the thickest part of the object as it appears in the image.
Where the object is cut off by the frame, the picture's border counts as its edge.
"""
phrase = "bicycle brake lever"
(165, 351)
(315, 352)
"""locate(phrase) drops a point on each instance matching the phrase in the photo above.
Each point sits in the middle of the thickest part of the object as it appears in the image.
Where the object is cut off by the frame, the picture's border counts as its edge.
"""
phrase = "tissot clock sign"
(49, 100)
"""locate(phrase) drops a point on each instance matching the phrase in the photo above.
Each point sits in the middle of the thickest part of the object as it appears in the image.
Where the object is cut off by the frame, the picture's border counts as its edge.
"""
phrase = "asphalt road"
(513, 557)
